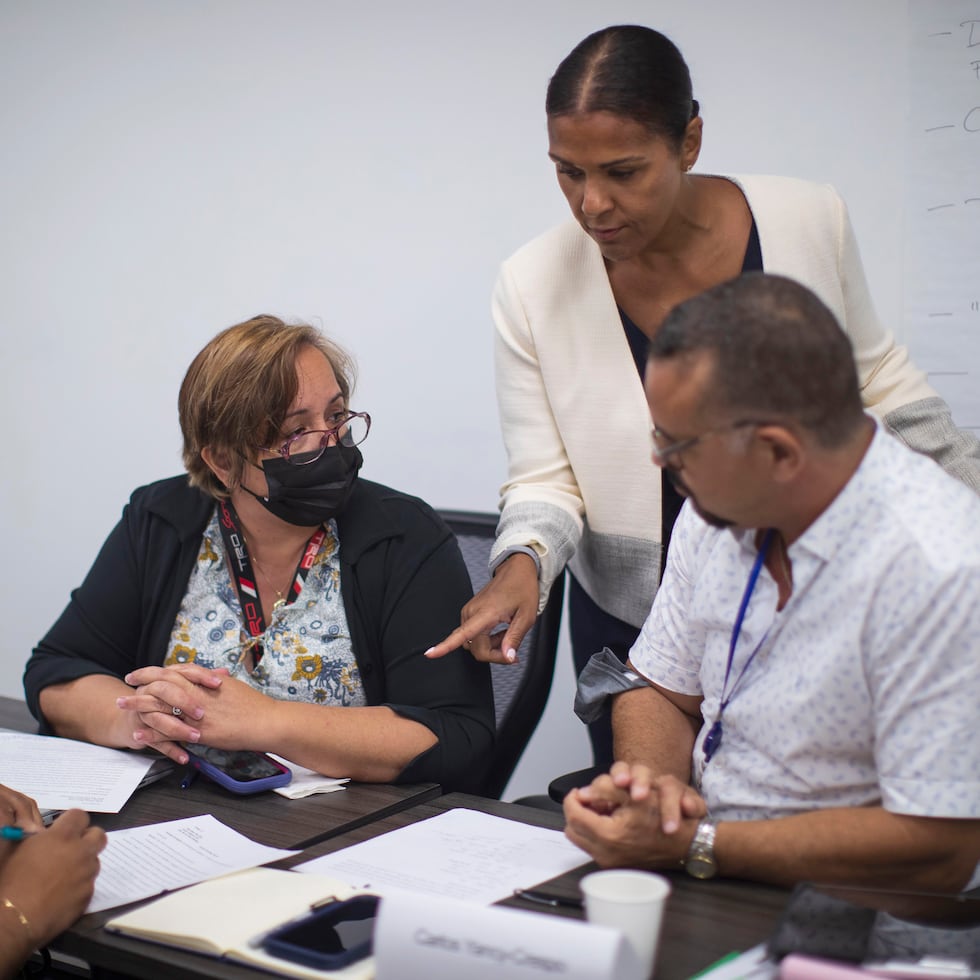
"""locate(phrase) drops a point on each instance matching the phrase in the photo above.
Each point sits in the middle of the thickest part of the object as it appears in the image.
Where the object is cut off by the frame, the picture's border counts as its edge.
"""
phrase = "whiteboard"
(943, 200)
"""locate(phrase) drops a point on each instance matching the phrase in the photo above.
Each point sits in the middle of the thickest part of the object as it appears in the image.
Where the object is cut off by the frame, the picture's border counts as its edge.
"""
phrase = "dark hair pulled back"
(634, 72)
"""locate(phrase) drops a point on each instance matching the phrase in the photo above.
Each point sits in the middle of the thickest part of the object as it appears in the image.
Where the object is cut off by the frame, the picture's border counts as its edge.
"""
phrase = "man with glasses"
(808, 680)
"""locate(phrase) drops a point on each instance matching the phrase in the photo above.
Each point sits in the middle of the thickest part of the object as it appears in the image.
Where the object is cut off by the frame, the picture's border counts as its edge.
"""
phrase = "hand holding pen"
(47, 878)
(18, 811)
(15, 833)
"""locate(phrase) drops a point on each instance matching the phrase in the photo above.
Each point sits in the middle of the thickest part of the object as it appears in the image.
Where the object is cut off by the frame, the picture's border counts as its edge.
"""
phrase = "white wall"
(170, 168)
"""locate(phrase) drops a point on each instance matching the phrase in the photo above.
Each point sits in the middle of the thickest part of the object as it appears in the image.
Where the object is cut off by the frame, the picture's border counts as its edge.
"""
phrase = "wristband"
(517, 549)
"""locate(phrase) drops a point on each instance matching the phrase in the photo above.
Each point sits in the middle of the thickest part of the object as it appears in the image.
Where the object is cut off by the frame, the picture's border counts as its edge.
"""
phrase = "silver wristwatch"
(700, 860)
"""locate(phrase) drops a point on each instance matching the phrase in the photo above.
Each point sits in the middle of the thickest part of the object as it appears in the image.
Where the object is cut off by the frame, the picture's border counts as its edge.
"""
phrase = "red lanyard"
(244, 577)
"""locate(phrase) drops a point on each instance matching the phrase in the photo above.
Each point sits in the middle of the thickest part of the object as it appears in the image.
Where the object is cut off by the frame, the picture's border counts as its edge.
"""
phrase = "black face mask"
(310, 494)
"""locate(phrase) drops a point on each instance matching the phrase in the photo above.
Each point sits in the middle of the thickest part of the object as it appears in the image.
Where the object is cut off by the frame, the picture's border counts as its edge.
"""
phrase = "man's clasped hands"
(629, 818)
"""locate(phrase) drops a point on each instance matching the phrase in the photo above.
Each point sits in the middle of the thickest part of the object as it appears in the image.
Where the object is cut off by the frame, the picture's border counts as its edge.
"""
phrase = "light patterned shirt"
(866, 686)
(307, 652)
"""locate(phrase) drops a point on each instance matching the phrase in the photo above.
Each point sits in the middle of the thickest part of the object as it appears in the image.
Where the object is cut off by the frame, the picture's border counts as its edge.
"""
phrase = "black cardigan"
(403, 582)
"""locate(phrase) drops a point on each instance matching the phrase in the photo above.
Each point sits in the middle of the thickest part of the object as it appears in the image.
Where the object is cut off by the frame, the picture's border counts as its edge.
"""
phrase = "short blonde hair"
(237, 391)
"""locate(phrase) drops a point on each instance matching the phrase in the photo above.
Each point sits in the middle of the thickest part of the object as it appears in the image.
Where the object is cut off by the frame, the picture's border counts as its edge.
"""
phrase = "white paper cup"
(632, 902)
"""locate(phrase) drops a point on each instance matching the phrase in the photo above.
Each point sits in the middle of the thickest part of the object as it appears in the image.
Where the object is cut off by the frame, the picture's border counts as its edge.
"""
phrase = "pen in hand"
(14, 833)
(547, 898)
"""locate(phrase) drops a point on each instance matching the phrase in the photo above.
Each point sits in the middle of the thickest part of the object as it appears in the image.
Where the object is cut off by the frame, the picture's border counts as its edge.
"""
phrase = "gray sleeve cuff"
(603, 677)
(927, 427)
(551, 531)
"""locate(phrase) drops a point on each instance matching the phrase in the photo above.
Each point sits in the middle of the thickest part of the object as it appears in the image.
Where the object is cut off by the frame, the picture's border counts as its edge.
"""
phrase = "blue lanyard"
(712, 741)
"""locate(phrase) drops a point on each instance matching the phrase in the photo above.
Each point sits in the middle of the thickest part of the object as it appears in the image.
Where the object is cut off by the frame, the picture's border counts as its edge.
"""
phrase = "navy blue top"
(592, 628)
(671, 500)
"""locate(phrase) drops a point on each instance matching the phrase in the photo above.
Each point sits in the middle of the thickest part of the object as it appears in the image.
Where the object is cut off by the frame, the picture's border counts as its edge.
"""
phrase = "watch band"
(700, 860)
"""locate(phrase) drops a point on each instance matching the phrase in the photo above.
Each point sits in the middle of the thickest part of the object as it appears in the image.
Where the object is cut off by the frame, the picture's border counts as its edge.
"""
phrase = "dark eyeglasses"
(666, 451)
(307, 447)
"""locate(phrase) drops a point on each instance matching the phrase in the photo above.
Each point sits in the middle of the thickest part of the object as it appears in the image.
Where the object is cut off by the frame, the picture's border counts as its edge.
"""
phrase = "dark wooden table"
(14, 715)
(704, 920)
(265, 817)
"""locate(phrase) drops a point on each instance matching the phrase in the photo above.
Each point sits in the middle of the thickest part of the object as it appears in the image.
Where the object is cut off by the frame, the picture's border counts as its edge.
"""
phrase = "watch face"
(701, 866)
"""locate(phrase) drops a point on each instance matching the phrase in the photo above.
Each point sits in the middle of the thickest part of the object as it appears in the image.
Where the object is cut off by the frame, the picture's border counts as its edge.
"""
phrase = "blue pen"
(189, 776)
(14, 833)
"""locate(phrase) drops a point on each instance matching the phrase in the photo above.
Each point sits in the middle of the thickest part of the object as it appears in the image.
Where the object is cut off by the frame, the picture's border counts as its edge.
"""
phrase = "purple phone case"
(242, 787)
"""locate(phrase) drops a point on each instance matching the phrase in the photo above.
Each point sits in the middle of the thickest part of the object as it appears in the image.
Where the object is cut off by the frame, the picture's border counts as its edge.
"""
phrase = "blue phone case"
(320, 940)
(235, 770)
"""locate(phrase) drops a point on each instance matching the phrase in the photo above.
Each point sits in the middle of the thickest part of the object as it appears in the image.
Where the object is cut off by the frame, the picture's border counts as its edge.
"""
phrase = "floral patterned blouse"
(307, 653)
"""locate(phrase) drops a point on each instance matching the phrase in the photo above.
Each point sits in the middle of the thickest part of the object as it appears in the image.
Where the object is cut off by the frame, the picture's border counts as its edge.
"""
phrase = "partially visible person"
(812, 659)
(270, 599)
(574, 311)
(46, 880)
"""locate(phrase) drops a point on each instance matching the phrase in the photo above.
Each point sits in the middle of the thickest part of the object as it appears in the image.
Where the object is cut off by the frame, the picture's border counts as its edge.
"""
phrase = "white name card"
(419, 936)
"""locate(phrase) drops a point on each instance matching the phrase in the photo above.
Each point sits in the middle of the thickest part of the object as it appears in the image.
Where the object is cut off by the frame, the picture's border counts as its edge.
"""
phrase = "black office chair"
(520, 691)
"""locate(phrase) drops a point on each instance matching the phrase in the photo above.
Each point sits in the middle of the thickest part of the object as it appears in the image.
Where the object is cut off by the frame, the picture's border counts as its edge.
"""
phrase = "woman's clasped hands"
(189, 703)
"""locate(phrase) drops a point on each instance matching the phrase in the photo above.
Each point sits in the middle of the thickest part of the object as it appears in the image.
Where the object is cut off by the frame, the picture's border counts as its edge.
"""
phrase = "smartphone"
(238, 770)
(875, 927)
(329, 937)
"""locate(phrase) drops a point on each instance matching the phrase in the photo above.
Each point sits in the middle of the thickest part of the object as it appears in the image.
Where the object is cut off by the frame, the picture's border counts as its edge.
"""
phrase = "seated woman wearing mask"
(270, 599)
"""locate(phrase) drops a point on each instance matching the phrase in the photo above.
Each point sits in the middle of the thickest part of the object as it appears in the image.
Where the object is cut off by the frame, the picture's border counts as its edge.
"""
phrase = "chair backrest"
(520, 690)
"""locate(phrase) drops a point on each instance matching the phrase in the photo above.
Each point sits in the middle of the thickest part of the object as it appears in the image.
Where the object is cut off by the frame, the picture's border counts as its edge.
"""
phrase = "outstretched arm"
(371, 744)
(542, 506)
(106, 710)
(631, 819)
(857, 845)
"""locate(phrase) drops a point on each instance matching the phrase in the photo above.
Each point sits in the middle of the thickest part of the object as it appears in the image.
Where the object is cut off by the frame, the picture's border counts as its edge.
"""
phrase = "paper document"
(61, 773)
(145, 861)
(460, 854)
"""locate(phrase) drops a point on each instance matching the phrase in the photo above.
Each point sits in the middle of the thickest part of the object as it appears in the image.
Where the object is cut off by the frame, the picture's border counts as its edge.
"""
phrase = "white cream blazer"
(581, 488)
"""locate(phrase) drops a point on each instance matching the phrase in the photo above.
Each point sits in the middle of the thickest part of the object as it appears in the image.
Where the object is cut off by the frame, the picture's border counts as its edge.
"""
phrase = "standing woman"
(575, 308)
